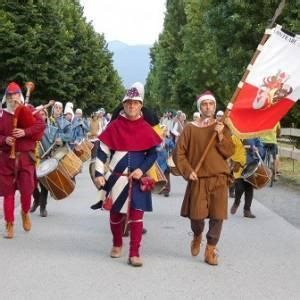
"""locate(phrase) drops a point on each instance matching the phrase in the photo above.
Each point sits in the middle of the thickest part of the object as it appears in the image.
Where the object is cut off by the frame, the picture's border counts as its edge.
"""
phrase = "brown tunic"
(207, 197)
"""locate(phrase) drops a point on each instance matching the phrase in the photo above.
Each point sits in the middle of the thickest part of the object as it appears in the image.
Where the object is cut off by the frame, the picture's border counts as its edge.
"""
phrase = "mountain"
(131, 61)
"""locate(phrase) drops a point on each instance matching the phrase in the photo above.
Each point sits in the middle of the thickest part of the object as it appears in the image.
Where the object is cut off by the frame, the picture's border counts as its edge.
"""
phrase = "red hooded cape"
(123, 134)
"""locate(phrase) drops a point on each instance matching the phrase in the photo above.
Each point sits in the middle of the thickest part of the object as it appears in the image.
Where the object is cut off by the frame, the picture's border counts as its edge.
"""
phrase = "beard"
(11, 106)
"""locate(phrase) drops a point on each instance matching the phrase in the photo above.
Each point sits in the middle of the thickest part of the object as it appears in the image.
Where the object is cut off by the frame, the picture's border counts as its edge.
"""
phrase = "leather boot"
(43, 212)
(135, 261)
(97, 205)
(234, 208)
(9, 233)
(195, 245)
(116, 252)
(26, 221)
(249, 214)
(34, 206)
(210, 255)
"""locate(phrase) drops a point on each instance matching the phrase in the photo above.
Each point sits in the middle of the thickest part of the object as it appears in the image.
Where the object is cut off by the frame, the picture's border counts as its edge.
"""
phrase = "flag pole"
(265, 37)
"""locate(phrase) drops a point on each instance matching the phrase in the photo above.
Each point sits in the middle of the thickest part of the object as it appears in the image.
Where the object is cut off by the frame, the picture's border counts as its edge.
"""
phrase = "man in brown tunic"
(206, 192)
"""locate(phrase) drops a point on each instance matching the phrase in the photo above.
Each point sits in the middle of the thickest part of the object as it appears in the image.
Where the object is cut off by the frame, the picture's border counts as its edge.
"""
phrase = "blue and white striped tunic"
(121, 163)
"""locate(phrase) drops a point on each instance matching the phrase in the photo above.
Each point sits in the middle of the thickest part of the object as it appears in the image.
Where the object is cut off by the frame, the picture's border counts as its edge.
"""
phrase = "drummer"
(59, 133)
(80, 127)
(40, 193)
(64, 132)
(245, 153)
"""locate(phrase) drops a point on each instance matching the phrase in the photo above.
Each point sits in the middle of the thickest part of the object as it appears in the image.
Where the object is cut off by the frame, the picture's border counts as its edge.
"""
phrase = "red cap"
(13, 88)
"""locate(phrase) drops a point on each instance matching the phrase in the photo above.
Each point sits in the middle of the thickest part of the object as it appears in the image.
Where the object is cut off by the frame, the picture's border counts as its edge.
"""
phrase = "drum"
(158, 176)
(170, 162)
(83, 150)
(54, 178)
(68, 160)
(257, 174)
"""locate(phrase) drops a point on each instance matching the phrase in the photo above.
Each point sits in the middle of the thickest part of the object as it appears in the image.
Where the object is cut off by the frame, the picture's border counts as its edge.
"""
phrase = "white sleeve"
(175, 129)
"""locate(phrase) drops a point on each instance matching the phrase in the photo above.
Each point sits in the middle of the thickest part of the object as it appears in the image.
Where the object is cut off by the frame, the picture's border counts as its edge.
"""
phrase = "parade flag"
(270, 88)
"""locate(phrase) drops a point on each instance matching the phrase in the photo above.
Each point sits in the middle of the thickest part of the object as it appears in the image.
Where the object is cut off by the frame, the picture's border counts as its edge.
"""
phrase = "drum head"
(250, 169)
(46, 167)
(60, 152)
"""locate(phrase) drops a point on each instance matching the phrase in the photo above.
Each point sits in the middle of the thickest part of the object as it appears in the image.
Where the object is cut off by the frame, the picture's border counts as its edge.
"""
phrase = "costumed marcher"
(168, 121)
(58, 133)
(178, 125)
(80, 127)
(269, 141)
(102, 120)
(129, 144)
(17, 170)
(206, 194)
(63, 135)
(246, 154)
(163, 152)
(40, 194)
(68, 112)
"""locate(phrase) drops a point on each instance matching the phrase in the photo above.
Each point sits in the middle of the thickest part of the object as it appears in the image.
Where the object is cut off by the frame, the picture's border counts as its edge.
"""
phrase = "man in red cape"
(128, 146)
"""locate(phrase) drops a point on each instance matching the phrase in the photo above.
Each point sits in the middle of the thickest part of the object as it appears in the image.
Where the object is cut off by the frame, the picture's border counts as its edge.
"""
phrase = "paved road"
(65, 256)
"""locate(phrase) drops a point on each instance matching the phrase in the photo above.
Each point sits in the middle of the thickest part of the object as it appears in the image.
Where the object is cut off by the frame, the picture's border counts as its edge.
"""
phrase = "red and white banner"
(271, 88)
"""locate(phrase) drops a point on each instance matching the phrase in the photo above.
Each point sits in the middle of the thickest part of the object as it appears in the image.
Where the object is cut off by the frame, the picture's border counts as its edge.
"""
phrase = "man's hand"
(58, 142)
(9, 140)
(219, 129)
(136, 174)
(100, 181)
(193, 176)
(18, 133)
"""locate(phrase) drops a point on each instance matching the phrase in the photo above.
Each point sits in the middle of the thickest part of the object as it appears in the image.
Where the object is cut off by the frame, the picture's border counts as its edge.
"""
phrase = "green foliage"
(51, 44)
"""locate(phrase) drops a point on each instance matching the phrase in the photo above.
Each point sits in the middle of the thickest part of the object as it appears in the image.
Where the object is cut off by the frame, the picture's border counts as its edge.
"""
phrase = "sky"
(133, 22)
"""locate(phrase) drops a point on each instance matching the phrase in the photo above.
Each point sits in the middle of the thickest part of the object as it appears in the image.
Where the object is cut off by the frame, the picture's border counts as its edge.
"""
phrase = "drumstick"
(48, 151)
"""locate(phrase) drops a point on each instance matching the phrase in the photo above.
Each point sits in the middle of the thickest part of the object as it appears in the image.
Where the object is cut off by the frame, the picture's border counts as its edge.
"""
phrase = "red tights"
(9, 206)
(136, 229)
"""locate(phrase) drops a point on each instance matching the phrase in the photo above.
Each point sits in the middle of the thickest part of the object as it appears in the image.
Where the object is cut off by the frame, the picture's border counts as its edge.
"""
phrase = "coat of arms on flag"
(271, 87)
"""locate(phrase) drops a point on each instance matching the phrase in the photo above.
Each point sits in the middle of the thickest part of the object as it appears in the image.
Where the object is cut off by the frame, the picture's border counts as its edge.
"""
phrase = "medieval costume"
(128, 145)
(58, 133)
(243, 157)
(17, 173)
(80, 127)
(206, 194)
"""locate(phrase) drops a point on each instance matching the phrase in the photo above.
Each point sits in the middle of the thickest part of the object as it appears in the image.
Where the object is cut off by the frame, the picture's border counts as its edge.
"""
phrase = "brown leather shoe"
(234, 208)
(195, 245)
(9, 233)
(210, 255)
(26, 221)
(135, 261)
(249, 214)
(116, 252)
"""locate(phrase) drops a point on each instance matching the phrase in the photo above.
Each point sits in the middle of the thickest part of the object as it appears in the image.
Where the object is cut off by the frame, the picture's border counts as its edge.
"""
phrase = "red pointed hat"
(13, 88)
(207, 95)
